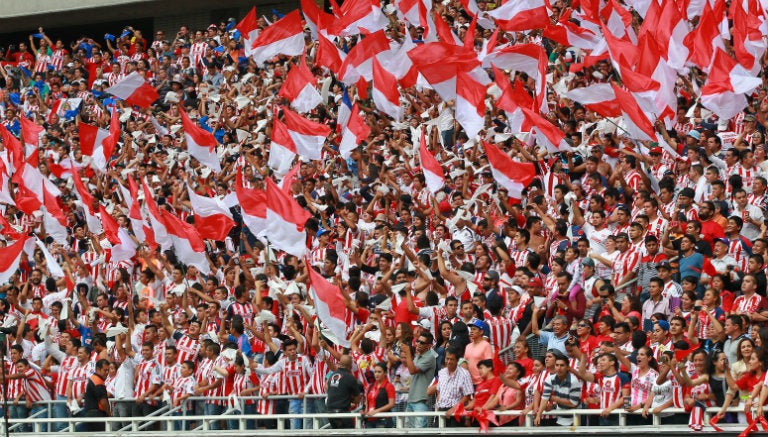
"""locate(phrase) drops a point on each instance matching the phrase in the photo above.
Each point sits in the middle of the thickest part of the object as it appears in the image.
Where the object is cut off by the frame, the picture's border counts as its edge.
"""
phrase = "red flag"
(201, 144)
(135, 90)
(285, 221)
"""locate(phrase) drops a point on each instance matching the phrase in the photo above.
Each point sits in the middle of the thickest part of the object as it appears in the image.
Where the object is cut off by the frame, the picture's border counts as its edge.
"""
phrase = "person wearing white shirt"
(750, 214)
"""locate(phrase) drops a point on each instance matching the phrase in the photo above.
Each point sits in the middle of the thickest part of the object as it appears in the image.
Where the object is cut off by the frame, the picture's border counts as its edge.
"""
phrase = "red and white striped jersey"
(520, 257)
(170, 374)
(187, 347)
(202, 370)
(641, 386)
(316, 384)
(633, 179)
(363, 368)
(15, 386)
(66, 365)
(657, 227)
(242, 309)
(747, 305)
(41, 65)
(34, 386)
(270, 385)
(78, 377)
(242, 383)
(196, 52)
(147, 375)
(57, 59)
(625, 263)
(748, 175)
(213, 375)
(182, 386)
(435, 314)
(501, 332)
(611, 387)
(295, 374)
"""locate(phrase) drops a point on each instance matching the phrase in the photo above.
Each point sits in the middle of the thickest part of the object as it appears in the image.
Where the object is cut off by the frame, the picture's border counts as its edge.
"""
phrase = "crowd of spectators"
(625, 277)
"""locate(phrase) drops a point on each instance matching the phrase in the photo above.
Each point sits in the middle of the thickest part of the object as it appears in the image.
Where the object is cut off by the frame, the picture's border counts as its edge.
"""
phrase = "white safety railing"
(163, 419)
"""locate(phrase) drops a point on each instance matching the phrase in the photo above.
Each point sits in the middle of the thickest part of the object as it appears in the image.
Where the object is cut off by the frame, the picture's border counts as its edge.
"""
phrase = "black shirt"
(343, 388)
(94, 392)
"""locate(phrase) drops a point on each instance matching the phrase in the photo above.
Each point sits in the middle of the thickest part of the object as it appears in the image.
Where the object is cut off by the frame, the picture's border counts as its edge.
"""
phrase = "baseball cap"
(424, 323)
(664, 265)
(722, 240)
(694, 134)
(750, 117)
(479, 324)
(492, 274)
(535, 282)
(655, 151)
(623, 235)
(663, 324)
(588, 262)
(322, 232)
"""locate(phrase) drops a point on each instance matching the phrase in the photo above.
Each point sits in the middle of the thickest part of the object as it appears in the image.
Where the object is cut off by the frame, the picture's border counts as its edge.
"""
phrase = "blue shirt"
(691, 265)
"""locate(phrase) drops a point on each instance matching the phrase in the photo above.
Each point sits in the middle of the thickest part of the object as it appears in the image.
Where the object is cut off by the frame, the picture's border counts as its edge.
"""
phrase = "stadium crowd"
(627, 274)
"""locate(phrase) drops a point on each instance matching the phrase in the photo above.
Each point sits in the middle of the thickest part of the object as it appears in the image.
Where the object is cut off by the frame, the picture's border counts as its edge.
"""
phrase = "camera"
(697, 307)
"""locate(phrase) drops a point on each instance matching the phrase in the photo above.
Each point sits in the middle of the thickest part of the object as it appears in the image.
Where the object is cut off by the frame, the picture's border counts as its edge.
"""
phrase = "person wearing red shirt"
(488, 386)
(379, 397)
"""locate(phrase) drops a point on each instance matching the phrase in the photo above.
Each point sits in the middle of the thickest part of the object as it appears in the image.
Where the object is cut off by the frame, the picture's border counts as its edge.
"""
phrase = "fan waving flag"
(359, 61)
(726, 85)
(123, 246)
(99, 143)
(285, 221)
(519, 15)
(201, 144)
(282, 150)
(134, 90)
(30, 134)
(308, 136)
(212, 219)
(638, 125)
(284, 37)
(329, 304)
(249, 29)
(470, 104)
(10, 257)
(189, 247)
(385, 93)
(253, 206)
(354, 133)
(510, 174)
(433, 172)
(299, 88)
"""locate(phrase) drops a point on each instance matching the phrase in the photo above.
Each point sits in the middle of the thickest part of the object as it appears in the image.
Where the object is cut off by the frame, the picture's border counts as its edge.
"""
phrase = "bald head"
(345, 361)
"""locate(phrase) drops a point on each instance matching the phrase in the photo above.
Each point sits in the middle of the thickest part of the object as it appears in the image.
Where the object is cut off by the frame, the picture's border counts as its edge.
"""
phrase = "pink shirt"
(474, 354)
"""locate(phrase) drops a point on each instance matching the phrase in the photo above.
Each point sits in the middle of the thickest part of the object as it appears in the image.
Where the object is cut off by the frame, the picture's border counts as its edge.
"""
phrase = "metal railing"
(164, 419)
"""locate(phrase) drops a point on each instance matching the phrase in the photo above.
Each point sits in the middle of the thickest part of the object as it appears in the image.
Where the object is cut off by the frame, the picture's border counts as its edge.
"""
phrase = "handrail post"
(622, 418)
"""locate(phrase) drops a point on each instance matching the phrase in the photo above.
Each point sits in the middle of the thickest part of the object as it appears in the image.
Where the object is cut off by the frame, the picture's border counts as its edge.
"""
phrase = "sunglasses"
(421, 342)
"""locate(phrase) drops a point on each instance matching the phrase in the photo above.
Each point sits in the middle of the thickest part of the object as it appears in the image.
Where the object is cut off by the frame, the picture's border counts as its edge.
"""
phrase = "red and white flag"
(569, 34)
(397, 62)
(313, 16)
(328, 55)
(470, 104)
(440, 64)
(30, 134)
(510, 174)
(726, 85)
(187, 244)
(598, 97)
(546, 134)
(359, 16)
(308, 136)
(386, 96)
(528, 58)
(123, 246)
(134, 90)
(637, 124)
(329, 304)
(253, 206)
(14, 149)
(249, 30)
(359, 62)
(282, 150)
(285, 221)
(284, 37)
(702, 42)
(5, 188)
(355, 132)
(90, 205)
(10, 257)
(158, 235)
(433, 172)
(201, 144)
(519, 15)
(299, 88)
(99, 143)
(748, 43)
(212, 218)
